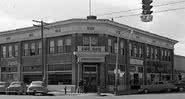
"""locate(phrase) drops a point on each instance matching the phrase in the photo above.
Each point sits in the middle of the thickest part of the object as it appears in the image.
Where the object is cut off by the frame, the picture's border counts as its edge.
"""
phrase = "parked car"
(3, 86)
(37, 87)
(16, 87)
(180, 85)
(158, 87)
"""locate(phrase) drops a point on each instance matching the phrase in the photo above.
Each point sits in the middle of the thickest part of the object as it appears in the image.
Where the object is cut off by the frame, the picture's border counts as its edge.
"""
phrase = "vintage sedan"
(16, 87)
(37, 87)
(158, 87)
(180, 85)
(3, 86)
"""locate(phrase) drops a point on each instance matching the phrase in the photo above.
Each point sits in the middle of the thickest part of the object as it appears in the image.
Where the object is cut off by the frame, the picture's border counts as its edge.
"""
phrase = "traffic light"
(147, 7)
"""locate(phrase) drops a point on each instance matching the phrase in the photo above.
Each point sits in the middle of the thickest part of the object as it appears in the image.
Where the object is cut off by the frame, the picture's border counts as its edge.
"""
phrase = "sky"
(20, 13)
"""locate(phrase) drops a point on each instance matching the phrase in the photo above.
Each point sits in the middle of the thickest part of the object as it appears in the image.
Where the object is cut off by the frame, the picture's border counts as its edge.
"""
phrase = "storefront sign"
(91, 59)
(13, 63)
(136, 62)
(132, 68)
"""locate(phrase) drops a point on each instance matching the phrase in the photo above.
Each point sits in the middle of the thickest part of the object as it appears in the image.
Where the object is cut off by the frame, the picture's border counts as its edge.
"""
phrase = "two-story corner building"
(86, 49)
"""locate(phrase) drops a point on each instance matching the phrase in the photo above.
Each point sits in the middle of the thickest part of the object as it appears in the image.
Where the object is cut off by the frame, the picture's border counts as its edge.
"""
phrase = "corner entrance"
(90, 75)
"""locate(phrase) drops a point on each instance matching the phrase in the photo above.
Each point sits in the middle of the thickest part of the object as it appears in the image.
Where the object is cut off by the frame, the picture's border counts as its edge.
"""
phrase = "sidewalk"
(127, 92)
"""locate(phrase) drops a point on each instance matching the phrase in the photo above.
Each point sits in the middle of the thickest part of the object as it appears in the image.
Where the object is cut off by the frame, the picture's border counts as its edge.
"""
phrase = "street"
(94, 96)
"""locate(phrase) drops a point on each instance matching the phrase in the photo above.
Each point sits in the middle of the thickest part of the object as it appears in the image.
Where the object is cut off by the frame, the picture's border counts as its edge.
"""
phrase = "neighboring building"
(179, 67)
(86, 49)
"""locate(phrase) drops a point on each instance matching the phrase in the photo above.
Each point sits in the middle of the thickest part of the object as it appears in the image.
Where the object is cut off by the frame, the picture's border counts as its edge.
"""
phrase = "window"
(86, 41)
(39, 47)
(147, 52)
(4, 51)
(26, 51)
(115, 47)
(131, 49)
(60, 46)
(152, 53)
(10, 54)
(94, 41)
(109, 45)
(16, 50)
(122, 48)
(68, 44)
(156, 53)
(32, 50)
(52, 47)
(135, 50)
(63, 79)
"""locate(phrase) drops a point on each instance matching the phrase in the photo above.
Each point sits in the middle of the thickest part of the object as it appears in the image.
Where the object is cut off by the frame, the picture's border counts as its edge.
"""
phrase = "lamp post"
(116, 68)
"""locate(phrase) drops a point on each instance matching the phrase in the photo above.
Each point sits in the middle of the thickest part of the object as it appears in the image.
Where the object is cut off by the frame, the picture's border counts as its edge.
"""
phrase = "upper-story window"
(147, 52)
(32, 50)
(122, 47)
(90, 41)
(131, 49)
(39, 44)
(60, 46)
(156, 53)
(4, 52)
(110, 45)
(135, 50)
(16, 50)
(116, 47)
(68, 45)
(10, 52)
(52, 46)
(26, 50)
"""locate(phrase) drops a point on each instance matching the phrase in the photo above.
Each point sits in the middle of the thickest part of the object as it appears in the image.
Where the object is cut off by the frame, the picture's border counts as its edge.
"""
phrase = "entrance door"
(90, 76)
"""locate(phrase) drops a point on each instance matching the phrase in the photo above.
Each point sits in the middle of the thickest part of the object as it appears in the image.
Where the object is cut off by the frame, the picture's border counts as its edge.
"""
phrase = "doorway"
(90, 76)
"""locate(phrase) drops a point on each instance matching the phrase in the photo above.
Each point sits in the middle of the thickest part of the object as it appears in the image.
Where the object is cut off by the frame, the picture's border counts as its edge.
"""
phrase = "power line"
(153, 12)
(140, 8)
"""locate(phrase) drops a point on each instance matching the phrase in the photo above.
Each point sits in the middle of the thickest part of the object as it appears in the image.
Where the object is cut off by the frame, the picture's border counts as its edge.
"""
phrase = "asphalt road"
(94, 96)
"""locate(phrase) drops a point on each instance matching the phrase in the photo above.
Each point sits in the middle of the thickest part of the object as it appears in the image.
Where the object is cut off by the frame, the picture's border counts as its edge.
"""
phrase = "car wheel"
(145, 91)
(181, 89)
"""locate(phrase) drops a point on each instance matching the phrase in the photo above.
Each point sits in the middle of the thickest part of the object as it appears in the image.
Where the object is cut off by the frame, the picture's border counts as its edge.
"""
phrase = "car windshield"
(16, 83)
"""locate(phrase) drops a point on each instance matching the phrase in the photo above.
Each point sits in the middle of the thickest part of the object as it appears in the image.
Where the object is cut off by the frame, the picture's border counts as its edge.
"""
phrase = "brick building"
(78, 49)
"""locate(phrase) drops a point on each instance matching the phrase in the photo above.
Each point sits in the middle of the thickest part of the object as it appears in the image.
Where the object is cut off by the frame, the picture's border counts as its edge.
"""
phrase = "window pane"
(4, 51)
(16, 50)
(10, 51)
(86, 41)
(32, 52)
(52, 46)
(26, 49)
(94, 41)
(68, 41)
(60, 43)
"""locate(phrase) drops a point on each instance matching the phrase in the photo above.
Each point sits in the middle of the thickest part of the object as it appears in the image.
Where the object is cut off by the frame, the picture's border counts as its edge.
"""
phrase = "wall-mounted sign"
(91, 59)
(136, 62)
(13, 63)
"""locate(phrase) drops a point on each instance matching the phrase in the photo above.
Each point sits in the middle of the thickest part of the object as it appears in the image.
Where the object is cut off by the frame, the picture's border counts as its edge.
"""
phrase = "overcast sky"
(20, 13)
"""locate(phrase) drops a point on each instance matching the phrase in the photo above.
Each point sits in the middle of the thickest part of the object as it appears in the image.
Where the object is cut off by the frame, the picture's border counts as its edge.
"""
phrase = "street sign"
(146, 18)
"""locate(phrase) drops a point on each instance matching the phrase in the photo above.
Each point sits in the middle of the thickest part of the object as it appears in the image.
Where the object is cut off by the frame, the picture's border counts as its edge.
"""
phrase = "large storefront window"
(60, 79)
(60, 67)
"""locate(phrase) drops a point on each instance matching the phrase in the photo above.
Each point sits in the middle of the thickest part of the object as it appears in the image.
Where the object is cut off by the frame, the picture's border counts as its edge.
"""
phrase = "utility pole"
(116, 68)
(44, 70)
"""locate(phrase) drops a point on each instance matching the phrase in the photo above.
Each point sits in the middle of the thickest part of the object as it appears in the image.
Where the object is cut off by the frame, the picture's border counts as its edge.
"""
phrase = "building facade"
(179, 67)
(86, 49)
